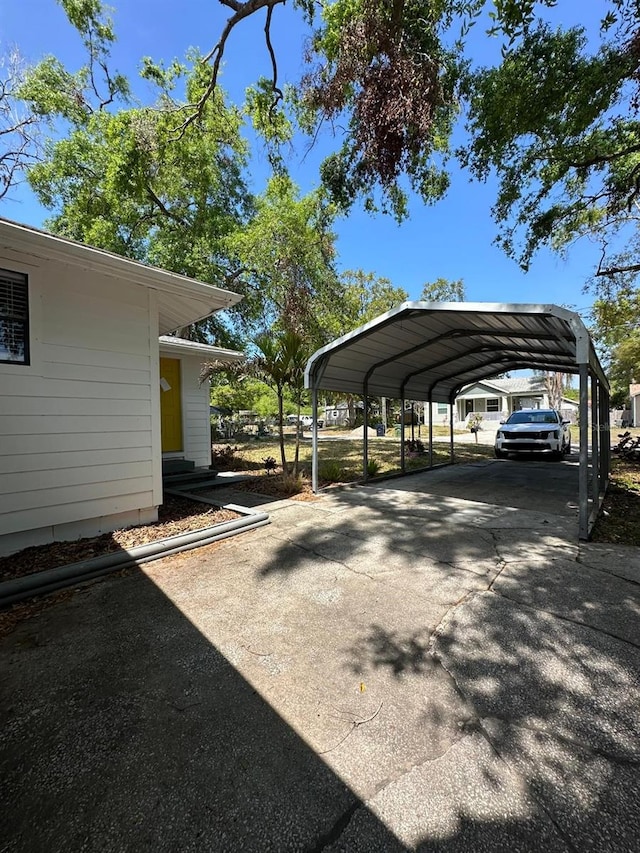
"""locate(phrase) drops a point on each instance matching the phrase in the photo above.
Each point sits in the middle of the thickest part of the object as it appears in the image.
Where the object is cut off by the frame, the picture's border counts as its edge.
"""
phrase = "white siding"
(196, 429)
(76, 425)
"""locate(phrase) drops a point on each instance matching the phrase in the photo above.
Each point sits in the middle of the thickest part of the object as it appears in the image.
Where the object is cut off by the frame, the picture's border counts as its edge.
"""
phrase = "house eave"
(205, 352)
(181, 300)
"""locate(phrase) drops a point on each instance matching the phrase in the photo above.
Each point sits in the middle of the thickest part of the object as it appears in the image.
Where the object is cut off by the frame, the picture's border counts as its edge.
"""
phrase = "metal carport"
(431, 350)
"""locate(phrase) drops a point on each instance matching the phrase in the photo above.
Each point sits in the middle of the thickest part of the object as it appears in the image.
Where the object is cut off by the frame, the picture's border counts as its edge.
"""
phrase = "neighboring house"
(337, 414)
(92, 398)
(495, 399)
(634, 394)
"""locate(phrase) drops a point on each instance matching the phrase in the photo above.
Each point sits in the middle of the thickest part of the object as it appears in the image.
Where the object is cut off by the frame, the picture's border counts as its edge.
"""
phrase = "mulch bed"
(176, 515)
(619, 521)
(275, 486)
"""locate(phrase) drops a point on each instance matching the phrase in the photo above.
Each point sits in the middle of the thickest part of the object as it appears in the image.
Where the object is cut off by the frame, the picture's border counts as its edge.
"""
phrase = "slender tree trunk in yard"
(283, 458)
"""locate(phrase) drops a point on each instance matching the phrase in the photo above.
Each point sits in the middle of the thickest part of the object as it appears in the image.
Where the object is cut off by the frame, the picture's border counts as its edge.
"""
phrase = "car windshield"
(533, 418)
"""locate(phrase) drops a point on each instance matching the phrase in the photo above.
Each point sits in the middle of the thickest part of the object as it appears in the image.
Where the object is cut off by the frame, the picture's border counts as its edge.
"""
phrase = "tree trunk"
(351, 403)
(283, 458)
(299, 429)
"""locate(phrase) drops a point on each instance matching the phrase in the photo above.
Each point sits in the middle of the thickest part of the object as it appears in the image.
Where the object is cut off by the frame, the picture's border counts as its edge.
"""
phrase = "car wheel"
(567, 448)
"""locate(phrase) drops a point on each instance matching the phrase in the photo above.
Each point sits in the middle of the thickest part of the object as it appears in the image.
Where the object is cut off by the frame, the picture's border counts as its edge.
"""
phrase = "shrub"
(414, 447)
(331, 471)
(292, 485)
(373, 467)
(270, 464)
(224, 457)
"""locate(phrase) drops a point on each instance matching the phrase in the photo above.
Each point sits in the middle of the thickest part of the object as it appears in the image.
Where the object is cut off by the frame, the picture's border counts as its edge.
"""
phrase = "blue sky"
(452, 239)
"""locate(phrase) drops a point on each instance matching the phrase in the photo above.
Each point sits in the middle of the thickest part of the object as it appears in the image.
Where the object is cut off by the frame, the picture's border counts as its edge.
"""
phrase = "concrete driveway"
(396, 667)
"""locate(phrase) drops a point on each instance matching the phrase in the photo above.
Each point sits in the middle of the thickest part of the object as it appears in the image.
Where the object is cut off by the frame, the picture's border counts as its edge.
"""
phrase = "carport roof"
(431, 350)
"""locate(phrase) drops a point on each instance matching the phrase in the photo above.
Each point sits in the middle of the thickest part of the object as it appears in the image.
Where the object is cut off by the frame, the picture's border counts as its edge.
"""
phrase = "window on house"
(493, 404)
(443, 408)
(14, 318)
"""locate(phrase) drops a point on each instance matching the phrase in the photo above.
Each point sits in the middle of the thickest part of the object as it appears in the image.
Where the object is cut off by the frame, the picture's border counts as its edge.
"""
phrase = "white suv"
(533, 431)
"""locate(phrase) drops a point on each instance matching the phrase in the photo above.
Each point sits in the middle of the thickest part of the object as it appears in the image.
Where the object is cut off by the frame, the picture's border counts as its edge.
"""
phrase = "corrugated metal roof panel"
(423, 350)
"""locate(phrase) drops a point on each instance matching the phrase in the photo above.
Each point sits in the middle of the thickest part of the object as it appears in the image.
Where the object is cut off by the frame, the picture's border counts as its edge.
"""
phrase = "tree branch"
(274, 65)
(164, 209)
(609, 271)
(601, 159)
(241, 11)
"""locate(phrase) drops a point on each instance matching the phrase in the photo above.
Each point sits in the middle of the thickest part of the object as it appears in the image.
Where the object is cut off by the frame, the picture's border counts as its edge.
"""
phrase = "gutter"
(61, 577)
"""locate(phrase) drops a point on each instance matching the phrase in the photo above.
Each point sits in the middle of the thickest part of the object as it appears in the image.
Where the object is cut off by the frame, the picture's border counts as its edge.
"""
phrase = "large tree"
(287, 254)
(443, 290)
(120, 179)
(555, 118)
(20, 128)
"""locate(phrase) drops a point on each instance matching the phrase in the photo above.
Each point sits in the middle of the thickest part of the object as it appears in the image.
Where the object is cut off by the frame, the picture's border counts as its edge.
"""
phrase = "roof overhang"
(204, 352)
(431, 350)
(181, 300)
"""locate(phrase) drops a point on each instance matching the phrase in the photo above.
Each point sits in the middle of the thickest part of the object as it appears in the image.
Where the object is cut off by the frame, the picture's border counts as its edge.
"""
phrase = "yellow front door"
(170, 405)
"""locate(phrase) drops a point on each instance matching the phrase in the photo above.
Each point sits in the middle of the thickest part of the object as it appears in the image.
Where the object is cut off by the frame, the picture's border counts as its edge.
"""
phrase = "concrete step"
(177, 466)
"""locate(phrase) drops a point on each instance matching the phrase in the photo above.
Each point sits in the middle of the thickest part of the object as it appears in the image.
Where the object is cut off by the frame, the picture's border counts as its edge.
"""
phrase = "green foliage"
(443, 290)
(124, 179)
(549, 122)
(279, 361)
(361, 297)
(624, 368)
(287, 251)
(384, 70)
(331, 471)
(373, 467)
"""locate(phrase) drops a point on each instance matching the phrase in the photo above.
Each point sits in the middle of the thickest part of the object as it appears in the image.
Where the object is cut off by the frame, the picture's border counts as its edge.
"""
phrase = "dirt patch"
(176, 515)
(619, 521)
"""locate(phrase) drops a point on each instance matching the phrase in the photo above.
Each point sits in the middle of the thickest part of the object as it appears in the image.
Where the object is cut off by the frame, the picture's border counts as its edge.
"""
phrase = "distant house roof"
(634, 390)
(518, 385)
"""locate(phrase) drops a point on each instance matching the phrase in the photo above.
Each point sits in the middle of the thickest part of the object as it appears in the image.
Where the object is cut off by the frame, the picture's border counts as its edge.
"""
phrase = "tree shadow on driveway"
(537, 635)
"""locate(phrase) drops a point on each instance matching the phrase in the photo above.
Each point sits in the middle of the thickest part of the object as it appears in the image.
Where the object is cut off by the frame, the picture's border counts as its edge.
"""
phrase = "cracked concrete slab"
(385, 668)
(468, 799)
(574, 592)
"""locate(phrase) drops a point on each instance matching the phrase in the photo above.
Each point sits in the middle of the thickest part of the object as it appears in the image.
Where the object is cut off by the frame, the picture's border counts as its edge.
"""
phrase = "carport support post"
(583, 473)
(365, 434)
(402, 459)
(430, 431)
(595, 442)
(605, 437)
(314, 441)
(451, 430)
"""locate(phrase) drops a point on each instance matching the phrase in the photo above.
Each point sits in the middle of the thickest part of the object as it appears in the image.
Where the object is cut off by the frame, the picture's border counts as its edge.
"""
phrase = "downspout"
(50, 580)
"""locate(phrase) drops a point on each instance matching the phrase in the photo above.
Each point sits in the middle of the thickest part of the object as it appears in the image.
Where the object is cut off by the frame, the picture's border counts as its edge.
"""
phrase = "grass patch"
(340, 460)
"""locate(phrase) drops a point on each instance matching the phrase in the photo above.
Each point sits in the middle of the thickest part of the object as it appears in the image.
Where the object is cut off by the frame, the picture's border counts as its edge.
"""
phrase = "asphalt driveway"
(394, 667)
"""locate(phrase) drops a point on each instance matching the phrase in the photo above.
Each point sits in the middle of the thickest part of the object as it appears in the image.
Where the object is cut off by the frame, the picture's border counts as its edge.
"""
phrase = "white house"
(93, 395)
(495, 399)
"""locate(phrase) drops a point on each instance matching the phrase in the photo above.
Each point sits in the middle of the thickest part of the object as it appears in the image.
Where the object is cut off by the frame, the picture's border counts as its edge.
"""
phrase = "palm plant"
(280, 361)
